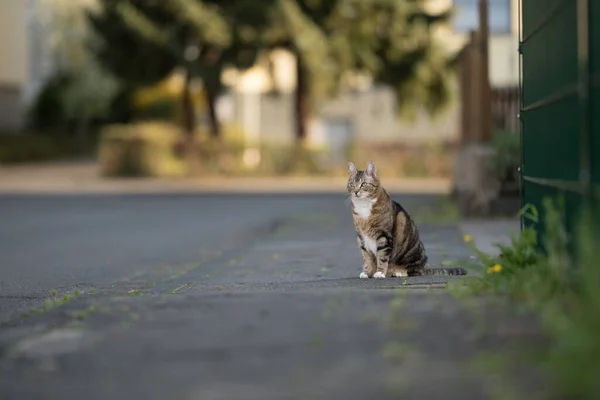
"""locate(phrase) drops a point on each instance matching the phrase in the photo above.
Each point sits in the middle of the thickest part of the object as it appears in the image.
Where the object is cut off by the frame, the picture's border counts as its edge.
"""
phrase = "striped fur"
(387, 236)
(443, 271)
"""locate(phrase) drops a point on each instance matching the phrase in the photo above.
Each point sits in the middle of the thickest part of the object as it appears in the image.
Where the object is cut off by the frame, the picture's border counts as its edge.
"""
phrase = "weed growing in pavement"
(52, 303)
(561, 286)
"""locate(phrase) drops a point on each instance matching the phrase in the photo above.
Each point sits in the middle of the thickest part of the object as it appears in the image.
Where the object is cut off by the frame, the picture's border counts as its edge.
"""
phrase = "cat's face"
(363, 184)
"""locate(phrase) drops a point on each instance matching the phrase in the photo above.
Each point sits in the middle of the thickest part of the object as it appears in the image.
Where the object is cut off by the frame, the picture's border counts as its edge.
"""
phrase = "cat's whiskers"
(349, 199)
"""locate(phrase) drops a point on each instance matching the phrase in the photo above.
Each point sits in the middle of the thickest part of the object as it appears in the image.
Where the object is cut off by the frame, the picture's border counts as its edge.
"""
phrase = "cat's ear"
(371, 170)
(351, 168)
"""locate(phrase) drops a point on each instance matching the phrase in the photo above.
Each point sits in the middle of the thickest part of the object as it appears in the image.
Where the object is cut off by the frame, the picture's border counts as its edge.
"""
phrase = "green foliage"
(509, 272)
(288, 160)
(124, 53)
(142, 42)
(406, 55)
(161, 109)
(52, 303)
(122, 108)
(163, 101)
(144, 149)
(576, 320)
(155, 149)
(507, 158)
(391, 41)
(77, 94)
(88, 93)
(47, 111)
(306, 36)
(205, 19)
(80, 90)
(563, 287)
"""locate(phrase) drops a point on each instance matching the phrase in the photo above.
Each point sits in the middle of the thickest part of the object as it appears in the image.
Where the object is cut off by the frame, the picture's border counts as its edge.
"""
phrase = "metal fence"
(560, 101)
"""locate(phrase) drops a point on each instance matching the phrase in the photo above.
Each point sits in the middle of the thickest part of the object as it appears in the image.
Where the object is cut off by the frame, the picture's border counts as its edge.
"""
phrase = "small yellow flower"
(467, 238)
(494, 269)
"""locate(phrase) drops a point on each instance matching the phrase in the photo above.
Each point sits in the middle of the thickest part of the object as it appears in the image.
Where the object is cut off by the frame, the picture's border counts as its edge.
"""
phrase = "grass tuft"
(557, 278)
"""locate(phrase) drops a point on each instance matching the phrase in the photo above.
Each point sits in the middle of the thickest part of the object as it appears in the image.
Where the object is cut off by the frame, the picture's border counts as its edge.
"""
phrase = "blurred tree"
(88, 95)
(146, 40)
(389, 41)
(394, 42)
(79, 90)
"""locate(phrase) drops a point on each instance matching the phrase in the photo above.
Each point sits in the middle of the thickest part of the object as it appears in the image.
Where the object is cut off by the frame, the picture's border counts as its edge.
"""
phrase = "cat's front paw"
(363, 275)
(379, 275)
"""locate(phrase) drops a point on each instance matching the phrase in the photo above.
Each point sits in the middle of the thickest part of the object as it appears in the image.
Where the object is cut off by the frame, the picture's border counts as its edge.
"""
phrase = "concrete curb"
(210, 186)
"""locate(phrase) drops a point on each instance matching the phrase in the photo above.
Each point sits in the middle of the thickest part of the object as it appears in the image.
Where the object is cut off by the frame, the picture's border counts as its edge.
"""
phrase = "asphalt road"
(66, 242)
(229, 297)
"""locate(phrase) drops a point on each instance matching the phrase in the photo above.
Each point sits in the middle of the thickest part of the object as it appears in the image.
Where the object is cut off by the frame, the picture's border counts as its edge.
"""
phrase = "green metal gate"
(560, 101)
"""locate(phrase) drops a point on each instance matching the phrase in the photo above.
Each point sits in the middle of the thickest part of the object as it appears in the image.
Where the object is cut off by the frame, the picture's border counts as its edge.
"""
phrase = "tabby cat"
(387, 236)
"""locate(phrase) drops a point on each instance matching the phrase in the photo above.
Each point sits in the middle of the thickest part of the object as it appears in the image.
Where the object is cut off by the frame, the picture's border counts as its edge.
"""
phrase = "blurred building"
(13, 62)
(503, 40)
(29, 40)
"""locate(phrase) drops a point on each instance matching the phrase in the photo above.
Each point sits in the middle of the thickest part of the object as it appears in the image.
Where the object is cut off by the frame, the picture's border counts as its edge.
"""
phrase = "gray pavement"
(234, 297)
(67, 242)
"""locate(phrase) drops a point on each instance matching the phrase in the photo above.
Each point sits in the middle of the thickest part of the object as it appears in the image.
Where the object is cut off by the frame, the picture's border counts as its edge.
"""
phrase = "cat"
(387, 236)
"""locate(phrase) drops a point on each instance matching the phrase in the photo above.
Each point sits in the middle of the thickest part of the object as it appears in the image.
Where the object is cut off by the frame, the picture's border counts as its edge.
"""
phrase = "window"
(466, 15)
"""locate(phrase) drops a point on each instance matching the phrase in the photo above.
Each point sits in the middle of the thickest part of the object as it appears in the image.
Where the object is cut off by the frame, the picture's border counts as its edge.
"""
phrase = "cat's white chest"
(363, 207)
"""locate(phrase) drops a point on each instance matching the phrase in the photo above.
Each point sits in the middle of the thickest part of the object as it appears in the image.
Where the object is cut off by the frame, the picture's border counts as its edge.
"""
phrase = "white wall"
(504, 60)
(13, 42)
(13, 62)
(374, 117)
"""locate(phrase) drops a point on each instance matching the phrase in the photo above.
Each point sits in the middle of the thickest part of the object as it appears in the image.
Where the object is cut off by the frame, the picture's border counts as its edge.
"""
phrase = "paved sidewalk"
(83, 177)
(488, 233)
(278, 315)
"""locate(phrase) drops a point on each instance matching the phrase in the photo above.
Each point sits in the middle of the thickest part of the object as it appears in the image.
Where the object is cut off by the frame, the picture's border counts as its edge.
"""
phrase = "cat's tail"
(449, 271)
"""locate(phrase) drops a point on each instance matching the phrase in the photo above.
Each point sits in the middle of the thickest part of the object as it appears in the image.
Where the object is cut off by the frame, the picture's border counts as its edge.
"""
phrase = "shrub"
(71, 96)
(156, 149)
(26, 147)
(230, 156)
(507, 159)
(560, 283)
(163, 100)
(47, 112)
(143, 149)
